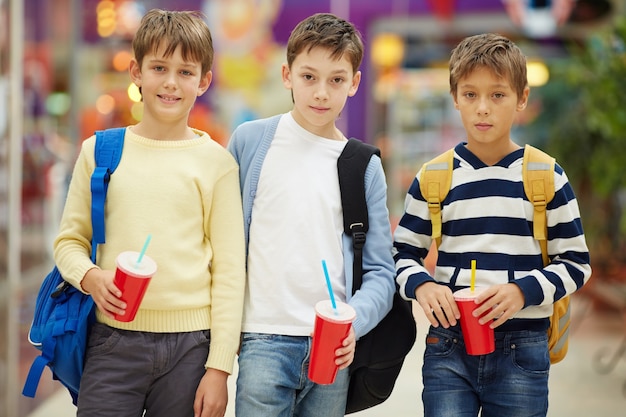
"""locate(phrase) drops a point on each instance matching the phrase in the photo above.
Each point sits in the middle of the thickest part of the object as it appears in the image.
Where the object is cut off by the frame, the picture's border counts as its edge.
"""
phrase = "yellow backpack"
(538, 178)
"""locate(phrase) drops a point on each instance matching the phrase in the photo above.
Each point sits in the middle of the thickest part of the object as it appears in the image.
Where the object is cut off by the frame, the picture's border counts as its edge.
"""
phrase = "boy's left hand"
(345, 354)
(503, 300)
(211, 395)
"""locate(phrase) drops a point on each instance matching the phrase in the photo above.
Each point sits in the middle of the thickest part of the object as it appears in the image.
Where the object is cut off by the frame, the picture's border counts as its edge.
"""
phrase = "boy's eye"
(185, 72)
(498, 95)
(338, 80)
(469, 95)
(307, 77)
(159, 68)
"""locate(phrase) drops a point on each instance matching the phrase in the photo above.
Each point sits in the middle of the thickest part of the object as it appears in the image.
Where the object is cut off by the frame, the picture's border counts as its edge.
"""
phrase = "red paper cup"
(331, 328)
(133, 279)
(479, 338)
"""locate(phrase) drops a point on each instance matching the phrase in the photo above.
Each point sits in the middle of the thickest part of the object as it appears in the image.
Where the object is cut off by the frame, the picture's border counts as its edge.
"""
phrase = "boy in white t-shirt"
(293, 220)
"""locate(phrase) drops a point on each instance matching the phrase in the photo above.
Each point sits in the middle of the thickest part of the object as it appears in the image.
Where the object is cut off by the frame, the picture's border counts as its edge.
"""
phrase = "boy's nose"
(483, 106)
(169, 81)
(321, 93)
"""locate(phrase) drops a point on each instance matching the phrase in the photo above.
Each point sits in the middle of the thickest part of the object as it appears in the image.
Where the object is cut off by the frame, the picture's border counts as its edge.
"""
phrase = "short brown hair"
(491, 51)
(327, 31)
(186, 29)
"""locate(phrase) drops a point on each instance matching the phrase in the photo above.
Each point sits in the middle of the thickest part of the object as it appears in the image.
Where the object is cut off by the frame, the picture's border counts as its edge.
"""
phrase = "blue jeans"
(273, 381)
(512, 381)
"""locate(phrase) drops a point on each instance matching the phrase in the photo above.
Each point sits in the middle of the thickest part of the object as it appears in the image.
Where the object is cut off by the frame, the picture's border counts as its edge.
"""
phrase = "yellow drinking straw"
(473, 277)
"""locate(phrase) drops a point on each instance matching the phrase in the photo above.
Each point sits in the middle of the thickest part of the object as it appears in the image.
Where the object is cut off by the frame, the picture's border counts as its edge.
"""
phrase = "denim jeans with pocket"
(512, 381)
(273, 381)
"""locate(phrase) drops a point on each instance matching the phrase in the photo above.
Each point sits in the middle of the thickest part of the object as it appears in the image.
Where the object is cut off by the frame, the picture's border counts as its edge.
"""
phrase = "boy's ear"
(135, 72)
(523, 100)
(354, 87)
(205, 82)
(286, 74)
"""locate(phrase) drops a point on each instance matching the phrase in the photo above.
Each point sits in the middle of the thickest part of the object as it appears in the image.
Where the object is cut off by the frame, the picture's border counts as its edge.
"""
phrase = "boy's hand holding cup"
(479, 338)
(332, 326)
(132, 276)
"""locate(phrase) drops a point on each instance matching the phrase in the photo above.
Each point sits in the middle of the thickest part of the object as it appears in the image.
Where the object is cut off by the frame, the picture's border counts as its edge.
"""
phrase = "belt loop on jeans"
(506, 343)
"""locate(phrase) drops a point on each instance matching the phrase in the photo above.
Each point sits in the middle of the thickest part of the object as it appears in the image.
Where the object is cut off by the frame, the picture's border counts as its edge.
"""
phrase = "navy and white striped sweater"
(486, 216)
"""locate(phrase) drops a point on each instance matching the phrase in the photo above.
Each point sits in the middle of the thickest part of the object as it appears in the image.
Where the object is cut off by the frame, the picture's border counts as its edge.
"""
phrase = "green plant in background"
(583, 124)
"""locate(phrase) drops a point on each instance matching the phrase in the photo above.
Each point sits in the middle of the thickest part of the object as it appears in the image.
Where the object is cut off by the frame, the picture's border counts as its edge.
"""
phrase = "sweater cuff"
(533, 293)
(415, 281)
(221, 358)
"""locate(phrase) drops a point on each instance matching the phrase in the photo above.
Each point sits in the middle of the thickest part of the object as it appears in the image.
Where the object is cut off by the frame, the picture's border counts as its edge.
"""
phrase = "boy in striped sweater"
(487, 217)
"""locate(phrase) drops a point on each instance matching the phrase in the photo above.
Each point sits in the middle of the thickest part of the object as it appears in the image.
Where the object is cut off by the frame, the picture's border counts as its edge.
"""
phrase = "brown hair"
(186, 29)
(327, 31)
(491, 51)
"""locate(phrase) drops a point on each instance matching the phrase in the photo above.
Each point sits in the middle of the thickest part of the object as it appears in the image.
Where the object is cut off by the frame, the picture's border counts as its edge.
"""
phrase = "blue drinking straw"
(330, 288)
(143, 250)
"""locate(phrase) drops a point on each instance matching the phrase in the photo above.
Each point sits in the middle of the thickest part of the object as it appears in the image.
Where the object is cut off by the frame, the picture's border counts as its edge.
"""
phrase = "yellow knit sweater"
(185, 193)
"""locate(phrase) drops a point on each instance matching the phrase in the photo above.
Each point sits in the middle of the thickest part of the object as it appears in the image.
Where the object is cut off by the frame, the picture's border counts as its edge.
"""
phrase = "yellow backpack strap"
(435, 182)
(538, 177)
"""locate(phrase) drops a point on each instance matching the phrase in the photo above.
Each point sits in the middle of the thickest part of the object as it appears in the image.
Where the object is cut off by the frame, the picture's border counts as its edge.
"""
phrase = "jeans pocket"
(531, 355)
(202, 337)
(102, 339)
(440, 343)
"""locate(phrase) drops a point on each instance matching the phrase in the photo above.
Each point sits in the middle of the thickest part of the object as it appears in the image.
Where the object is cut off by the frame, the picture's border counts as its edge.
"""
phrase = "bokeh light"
(105, 104)
(106, 17)
(136, 111)
(121, 61)
(387, 50)
(133, 93)
(58, 104)
(538, 73)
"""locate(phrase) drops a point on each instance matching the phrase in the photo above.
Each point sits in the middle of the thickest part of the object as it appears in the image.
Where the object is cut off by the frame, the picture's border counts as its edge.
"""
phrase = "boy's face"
(169, 86)
(320, 86)
(488, 106)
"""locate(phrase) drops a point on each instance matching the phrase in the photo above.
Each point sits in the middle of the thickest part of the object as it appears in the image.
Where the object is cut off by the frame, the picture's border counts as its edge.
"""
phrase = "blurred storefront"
(63, 74)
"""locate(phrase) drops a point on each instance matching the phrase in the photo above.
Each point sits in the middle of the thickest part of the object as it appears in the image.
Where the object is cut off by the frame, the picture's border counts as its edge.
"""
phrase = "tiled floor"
(578, 387)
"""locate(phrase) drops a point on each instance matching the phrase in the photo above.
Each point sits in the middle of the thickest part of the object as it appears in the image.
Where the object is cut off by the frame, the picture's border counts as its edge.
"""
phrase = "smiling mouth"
(171, 99)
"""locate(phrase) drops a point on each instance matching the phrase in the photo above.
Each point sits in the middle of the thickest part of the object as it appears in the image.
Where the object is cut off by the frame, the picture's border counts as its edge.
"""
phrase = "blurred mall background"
(63, 74)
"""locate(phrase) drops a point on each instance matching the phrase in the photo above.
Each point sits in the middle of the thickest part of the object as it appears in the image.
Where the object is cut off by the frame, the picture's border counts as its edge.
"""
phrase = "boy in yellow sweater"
(178, 185)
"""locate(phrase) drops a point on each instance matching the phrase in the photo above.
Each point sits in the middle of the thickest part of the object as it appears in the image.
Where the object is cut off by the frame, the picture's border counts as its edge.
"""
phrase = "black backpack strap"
(351, 167)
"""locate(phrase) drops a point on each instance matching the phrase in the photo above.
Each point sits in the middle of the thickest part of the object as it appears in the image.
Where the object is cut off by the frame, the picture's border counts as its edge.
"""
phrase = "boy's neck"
(162, 132)
(328, 132)
(489, 153)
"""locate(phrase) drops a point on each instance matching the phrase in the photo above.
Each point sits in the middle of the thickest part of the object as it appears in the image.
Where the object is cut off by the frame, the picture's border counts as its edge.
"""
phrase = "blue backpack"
(63, 315)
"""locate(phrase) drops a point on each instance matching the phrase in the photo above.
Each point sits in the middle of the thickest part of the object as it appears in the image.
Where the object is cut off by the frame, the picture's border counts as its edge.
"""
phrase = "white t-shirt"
(297, 221)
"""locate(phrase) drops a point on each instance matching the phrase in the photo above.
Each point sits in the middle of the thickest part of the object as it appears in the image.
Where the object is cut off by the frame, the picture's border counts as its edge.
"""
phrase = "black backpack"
(380, 353)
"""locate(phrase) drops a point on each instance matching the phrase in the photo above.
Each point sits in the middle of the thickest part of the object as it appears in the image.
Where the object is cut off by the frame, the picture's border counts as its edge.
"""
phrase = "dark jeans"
(512, 381)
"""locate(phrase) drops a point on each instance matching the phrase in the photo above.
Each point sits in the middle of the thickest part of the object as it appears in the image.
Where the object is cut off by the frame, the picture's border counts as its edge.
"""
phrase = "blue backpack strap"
(109, 145)
(34, 375)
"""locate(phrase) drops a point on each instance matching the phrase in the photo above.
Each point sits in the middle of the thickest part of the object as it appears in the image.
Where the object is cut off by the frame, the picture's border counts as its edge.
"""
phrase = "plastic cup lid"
(344, 314)
(128, 262)
(467, 293)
